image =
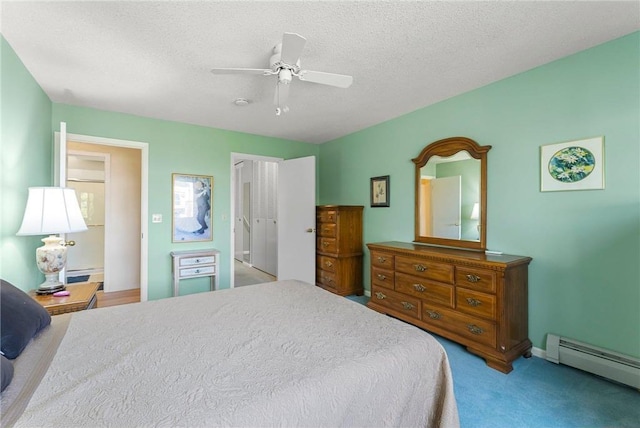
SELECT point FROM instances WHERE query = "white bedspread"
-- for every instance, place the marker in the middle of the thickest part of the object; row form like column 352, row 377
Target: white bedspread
column 276, row 354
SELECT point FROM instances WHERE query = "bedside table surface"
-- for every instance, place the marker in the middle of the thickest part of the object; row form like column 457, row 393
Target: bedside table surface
column 82, row 297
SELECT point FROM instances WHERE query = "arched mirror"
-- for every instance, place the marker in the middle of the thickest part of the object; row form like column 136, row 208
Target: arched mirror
column 451, row 194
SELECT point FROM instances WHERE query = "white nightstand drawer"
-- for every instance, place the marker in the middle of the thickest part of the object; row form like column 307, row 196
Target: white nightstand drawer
column 204, row 270
column 195, row 264
column 191, row 261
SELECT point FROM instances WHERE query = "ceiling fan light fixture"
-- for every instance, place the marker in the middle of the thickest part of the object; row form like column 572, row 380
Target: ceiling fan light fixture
column 241, row 102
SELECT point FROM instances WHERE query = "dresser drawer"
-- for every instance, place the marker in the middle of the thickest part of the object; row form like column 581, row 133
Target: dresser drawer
column 429, row 291
column 478, row 279
column 327, row 229
column 383, row 260
column 476, row 303
column 329, row 264
column 396, row 301
column 327, row 245
column 327, row 279
column 382, row 277
column 193, row 261
column 425, row 269
column 328, row 216
column 203, row 270
column 480, row 331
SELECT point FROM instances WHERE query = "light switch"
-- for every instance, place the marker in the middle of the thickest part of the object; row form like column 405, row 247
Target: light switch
column 156, row 218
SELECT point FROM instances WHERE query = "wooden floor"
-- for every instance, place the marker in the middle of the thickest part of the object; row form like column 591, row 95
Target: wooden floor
column 117, row 298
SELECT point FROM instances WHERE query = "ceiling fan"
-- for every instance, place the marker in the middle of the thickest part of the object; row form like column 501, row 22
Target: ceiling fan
column 285, row 63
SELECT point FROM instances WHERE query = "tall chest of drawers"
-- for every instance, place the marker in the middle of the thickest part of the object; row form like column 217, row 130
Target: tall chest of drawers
column 339, row 249
column 475, row 299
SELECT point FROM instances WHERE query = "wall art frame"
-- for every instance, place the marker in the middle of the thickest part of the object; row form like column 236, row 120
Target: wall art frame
column 191, row 207
column 572, row 165
column 380, row 191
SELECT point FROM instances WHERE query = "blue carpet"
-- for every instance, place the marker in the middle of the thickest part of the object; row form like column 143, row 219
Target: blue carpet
column 537, row 393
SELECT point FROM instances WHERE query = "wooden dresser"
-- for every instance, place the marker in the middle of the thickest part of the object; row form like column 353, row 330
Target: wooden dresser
column 339, row 249
column 475, row 299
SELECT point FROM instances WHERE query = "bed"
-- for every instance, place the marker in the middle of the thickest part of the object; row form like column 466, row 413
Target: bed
column 283, row 353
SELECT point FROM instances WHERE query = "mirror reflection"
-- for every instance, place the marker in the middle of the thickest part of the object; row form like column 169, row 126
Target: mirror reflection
column 450, row 197
column 451, row 193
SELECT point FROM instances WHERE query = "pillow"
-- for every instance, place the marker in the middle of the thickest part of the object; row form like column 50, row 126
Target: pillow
column 6, row 371
column 21, row 318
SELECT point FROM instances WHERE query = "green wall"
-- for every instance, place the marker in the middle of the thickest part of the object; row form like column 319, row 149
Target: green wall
column 25, row 160
column 584, row 281
column 182, row 148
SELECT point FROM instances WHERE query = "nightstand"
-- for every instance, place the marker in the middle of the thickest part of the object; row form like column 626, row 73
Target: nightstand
column 83, row 296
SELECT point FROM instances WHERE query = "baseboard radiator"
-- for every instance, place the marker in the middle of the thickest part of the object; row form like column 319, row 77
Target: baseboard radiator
column 602, row 362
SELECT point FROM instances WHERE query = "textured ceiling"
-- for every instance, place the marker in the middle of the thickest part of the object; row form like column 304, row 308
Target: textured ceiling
column 153, row 58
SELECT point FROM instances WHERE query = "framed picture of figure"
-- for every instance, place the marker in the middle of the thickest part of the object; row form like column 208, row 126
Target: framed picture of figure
column 192, row 204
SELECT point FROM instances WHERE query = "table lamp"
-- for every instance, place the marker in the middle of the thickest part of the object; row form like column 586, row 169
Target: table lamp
column 51, row 210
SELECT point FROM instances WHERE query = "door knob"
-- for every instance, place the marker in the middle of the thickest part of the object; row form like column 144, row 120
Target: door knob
column 310, row 230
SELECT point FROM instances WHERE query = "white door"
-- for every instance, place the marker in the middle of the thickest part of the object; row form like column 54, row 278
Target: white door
column 297, row 219
column 60, row 173
column 238, row 226
column 445, row 204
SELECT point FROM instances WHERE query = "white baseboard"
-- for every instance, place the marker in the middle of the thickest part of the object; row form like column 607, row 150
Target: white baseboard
column 540, row 353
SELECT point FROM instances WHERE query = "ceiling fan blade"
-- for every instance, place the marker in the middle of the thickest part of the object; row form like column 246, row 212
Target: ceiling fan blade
column 332, row 79
column 264, row 71
column 292, row 45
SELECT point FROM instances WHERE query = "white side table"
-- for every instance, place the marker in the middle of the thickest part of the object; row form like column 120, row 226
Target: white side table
column 195, row 264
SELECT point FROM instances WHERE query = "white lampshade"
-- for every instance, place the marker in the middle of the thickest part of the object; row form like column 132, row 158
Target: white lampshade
column 51, row 210
column 475, row 211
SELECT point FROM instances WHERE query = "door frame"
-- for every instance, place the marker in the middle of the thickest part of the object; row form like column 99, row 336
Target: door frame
column 144, row 189
column 235, row 158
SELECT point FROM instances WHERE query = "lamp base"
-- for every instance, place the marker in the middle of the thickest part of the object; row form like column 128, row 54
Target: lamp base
column 40, row 291
column 51, row 259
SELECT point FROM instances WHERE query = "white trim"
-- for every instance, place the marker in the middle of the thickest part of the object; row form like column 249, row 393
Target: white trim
column 537, row 352
column 144, row 196
column 235, row 158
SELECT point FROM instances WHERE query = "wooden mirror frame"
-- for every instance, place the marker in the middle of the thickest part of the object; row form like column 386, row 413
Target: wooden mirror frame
column 449, row 147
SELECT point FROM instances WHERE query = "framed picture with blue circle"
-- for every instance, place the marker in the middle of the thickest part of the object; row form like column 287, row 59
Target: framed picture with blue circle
column 572, row 165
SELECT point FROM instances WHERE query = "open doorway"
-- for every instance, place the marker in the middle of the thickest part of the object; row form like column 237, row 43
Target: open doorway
column 64, row 142
column 255, row 217
column 87, row 174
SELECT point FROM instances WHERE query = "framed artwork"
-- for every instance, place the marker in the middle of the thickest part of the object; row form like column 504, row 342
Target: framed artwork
column 573, row 165
column 380, row 191
column 191, row 207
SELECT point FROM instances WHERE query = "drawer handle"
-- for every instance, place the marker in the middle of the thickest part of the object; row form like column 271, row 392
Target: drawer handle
column 419, row 287
column 473, row 302
column 325, row 244
column 474, row 329
column 381, row 277
column 473, row 278
column 420, row 268
column 408, row 306
column 328, row 264
column 380, row 295
column 197, row 260
column 197, row 271
column 381, row 259
column 433, row 314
